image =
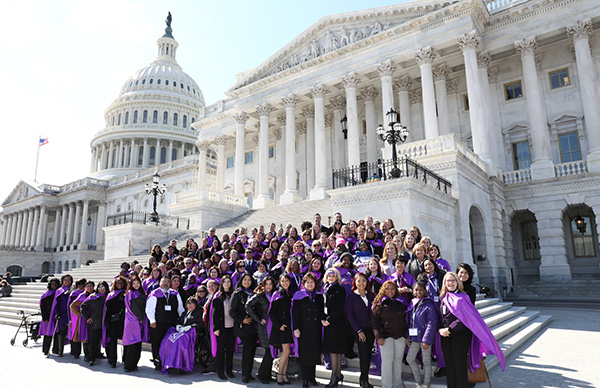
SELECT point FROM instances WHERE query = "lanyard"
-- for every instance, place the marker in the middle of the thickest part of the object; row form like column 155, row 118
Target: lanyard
column 414, row 313
column 166, row 295
column 434, row 285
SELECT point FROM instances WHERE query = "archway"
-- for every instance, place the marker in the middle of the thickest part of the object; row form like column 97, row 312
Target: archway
column 59, row 267
column 46, row 267
column 581, row 237
column 15, row 270
column 74, row 264
column 477, row 230
column 526, row 246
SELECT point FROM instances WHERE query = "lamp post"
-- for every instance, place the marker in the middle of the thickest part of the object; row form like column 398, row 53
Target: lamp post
column 155, row 191
column 397, row 133
column 344, row 122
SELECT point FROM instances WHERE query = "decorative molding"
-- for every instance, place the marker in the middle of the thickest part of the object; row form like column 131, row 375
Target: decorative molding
column 425, row 55
column 255, row 140
column 301, row 128
column 440, row 72
column 581, row 29
column 328, row 120
column 277, row 133
column 404, row 83
column 452, row 85
column 319, row 91
column 309, row 111
column 386, row 68
column 468, row 41
column 221, row 140
column 281, row 119
column 483, row 60
column 492, row 74
column 264, row 109
column 290, row 100
column 240, row 118
column 338, row 102
column 203, row 145
column 350, row 80
column 526, row 46
column 370, row 93
column 415, row 96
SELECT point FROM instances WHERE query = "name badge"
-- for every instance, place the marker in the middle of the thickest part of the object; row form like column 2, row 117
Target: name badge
column 168, row 307
column 436, row 299
column 413, row 332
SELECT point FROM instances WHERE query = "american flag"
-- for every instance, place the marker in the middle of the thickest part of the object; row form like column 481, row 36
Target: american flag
column 43, row 141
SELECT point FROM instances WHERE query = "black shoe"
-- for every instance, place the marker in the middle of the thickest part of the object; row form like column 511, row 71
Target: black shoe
column 440, row 373
column 263, row 381
column 100, row 356
column 245, row 380
column 157, row 365
column 85, row 359
column 366, row 384
column 182, row 372
column 91, row 363
column 230, row 375
column 127, row 370
column 222, row 376
column 250, row 378
column 76, row 357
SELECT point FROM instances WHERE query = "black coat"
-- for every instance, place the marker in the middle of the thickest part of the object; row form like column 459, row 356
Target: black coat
column 237, row 310
column 414, row 268
column 280, row 315
column 194, row 319
column 93, row 309
column 334, row 338
column 115, row 307
column 307, row 316
column 218, row 314
column 257, row 307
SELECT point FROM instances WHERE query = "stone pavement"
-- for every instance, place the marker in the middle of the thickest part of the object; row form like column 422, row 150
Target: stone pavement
column 552, row 358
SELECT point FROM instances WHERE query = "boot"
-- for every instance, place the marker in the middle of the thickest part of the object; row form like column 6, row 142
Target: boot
column 61, row 345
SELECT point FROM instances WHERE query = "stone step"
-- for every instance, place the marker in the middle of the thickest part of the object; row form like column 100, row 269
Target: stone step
column 503, row 329
column 493, row 309
column 493, row 320
column 479, row 303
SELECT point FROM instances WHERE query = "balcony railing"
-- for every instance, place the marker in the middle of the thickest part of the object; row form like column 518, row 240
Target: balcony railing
column 495, row 6
column 571, row 168
column 517, row 176
column 138, row 217
column 386, row 170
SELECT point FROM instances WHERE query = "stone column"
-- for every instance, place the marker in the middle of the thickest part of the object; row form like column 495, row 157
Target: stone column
column 385, row 70
column 145, row 154
column 541, row 166
column 92, row 162
column 133, row 155
column 369, row 94
column 339, row 143
column 281, row 158
column 84, row 225
column 221, row 162
column 8, row 229
column 103, row 157
column 403, row 85
column 111, row 151
column 76, row 224
column 580, row 33
column 28, row 228
column 23, row 228
column 70, row 225
column 14, row 219
column 57, row 225
column 126, row 152
column 240, row 146
column 350, row 80
column 553, row 248
column 263, row 199
column 119, row 163
column 468, row 43
column 157, row 153
column 4, row 228
column 100, row 224
column 291, row 189
column 203, row 147
column 483, row 62
column 320, row 144
column 31, row 240
column 425, row 57
column 440, row 73
column 182, row 150
column 170, row 151
column 40, row 241
column 309, row 113
column 19, row 226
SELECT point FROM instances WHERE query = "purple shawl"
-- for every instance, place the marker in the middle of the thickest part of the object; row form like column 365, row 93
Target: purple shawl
column 403, row 280
column 47, row 328
column 105, row 337
column 213, row 337
column 443, row 264
column 299, row 296
column 276, row 296
column 78, row 324
column 149, row 285
column 483, row 341
column 133, row 330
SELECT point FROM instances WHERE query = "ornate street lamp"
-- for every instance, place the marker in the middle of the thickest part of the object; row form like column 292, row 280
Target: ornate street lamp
column 396, row 133
column 344, row 122
column 155, row 191
column 580, row 224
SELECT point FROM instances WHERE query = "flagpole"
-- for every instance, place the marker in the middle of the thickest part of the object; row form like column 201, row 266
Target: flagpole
column 37, row 159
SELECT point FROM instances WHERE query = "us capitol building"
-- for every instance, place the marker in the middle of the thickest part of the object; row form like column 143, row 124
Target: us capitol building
column 501, row 166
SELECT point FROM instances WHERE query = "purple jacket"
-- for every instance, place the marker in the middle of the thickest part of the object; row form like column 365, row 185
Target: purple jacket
column 422, row 314
column 359, row 314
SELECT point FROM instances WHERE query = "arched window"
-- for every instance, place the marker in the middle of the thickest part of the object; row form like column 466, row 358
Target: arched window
column 119, row 122
column 74, row 264
column 174, row 154
column 66, row 265
column 152, row 155
column 15, row 270
column 193, row 120
column 167, row 82
column 135, row 117
column 165, row 118
column 174, row 84
column 175, row 119
column 158, row 82
column 52, row 267
column 59, row 267
column 45, row 267
column 141, row 156
column 126, row 118
column 112, row 120
column 184, row 121
column 163, row 155
column 155, row 117
column 145, row 117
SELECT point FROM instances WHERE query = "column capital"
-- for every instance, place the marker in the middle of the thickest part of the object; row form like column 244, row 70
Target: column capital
column 301, row 127
column 483, row 59
column 425, row 55
column 290, row 100
column 338, row 102
column 468, row 41
column 264, row 109
column 277, row 133
column 220, row 140
column 386, row 68
column 526, row 46
column 319, row 90
column 581, row 29
column 492, row 74
column 440, row 72
column 203, row 145
column 255, row 139
column 240, row 118
column 350, row 80
column 404, row 83
column 370, row 93
column 415, row 96
column 328, row 120
column 281, row 119
column 452, row 85
column 309, row 111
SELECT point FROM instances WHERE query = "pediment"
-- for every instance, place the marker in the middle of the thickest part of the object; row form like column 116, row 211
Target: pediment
column 565, row 118
column 517, row 128
column 22, row 191
column 335, row 34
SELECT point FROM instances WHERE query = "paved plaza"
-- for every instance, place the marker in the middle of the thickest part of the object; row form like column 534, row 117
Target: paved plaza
column 564, row 354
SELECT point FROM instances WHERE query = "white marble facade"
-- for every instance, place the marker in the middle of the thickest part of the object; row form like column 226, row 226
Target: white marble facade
column 500, row 97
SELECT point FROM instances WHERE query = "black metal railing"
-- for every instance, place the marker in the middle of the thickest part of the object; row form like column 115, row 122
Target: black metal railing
column 386, row 170
column 139, row 217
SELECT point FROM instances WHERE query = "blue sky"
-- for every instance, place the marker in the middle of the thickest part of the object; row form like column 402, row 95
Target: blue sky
column 64, row 62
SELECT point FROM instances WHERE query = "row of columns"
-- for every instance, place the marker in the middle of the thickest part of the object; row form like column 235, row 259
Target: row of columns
column 27, row 228
column 127, row 152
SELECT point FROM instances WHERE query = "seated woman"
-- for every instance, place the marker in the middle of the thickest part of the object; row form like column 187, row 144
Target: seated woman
column 177, row 347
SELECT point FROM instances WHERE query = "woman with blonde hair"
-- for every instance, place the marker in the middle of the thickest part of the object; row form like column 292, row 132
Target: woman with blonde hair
column 390, row 253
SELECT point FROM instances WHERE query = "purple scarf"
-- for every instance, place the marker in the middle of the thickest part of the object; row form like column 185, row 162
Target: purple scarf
column 276, row 296
column 105, row 337
column 133, row 330
column 299, row 296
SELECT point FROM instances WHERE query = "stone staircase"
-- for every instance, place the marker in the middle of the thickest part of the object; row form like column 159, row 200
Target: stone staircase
column 280, row 215
column 511, row 325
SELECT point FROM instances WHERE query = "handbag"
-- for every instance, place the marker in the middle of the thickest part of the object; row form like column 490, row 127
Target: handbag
column 479, row 375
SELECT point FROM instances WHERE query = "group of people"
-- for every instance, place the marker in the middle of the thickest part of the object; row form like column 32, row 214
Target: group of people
column 5, row 285
column 310, row 294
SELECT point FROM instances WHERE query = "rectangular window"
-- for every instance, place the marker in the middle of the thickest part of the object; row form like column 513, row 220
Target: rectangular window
column 230, row 162
column 249, row 157
column 271, row 151
column 583, row 243
column 466, row 101
column 521, row 156
column 559, row 78
column 531, row 241
column 513, row 90
column 118, row 208
column 569, row 147
column 130, row 206
column 162, row 199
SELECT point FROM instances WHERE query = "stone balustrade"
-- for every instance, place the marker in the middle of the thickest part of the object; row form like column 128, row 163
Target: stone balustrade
column 516, row 176
column 495, row 6
column 214, row 196
column 571, row 168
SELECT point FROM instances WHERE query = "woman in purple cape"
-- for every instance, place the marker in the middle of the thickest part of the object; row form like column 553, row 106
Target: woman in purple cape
column 307, row 316
column 114, row 320
column 152, row 283
column 60, row 313
column 74, row 318
column 279, row 326
column 79, row 328
column 135, row 329
column 222, row 329
column 463, row 333
column 335, row 333
column 48, row 324
column 92, row 309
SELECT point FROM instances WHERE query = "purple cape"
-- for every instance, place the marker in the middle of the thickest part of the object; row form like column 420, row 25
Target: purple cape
column 133, row 330
column 443, row 264
column 177, row 350
column 213, row 337
column 105, row 337
column 483, row 341
column 299, row 295
column 274, row 298
column 78, row 324
column 47, row 328
column 149, row 285
column 51, row 327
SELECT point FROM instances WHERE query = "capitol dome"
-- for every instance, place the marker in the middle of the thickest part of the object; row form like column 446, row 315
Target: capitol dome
column 149, row 123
